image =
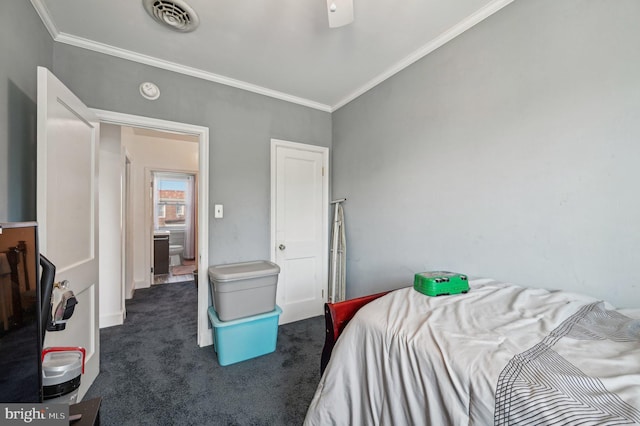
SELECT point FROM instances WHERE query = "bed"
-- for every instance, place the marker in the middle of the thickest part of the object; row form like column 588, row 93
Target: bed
column 501, row 354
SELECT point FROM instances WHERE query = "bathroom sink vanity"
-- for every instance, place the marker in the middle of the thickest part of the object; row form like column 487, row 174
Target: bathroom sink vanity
column 160, row 252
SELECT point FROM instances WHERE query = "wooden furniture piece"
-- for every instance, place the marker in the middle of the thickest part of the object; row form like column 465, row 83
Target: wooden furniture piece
column 90, row 411
column 336, row 317
column 160, row 254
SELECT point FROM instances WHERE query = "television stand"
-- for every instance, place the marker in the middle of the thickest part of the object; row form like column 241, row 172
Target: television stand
column 90, row 411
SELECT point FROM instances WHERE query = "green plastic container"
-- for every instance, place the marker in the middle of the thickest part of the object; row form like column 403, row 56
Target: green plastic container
column 439, row 283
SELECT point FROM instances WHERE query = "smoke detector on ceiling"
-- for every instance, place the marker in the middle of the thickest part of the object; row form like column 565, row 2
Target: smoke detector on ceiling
column 174, row 14
column 149, row 91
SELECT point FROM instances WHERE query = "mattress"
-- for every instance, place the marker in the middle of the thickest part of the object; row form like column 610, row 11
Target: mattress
column 501, row 354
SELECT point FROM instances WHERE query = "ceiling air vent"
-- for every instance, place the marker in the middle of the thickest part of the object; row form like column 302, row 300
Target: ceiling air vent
column 174, row 14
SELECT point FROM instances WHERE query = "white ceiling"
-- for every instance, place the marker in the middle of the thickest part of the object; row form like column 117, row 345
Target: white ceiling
column 284, row 49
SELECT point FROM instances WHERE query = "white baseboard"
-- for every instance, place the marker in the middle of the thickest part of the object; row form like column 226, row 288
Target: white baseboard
column 109, row 320
column 132, row 288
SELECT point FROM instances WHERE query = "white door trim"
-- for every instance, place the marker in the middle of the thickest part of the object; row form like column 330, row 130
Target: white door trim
column 275, row 143
column 205, row 337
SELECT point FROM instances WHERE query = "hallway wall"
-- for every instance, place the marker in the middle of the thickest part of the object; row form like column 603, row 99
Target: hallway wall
column 111, row 297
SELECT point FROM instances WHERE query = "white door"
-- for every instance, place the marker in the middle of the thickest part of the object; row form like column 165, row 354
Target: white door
column 68, row 135
column 299, row 179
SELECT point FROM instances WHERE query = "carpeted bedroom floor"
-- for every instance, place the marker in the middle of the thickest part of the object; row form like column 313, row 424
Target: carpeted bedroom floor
column 153, row 373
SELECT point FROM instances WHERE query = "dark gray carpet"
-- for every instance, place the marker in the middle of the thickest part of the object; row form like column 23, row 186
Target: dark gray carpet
column 153, row 373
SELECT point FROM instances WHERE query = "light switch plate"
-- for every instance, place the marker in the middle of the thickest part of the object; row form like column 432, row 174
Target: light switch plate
column 217, row 211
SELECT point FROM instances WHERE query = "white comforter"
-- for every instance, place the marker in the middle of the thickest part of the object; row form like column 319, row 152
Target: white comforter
column 410, row 359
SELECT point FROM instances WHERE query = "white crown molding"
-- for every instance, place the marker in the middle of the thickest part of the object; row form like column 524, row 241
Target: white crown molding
column 45, row 16
column 72, row 40
column 443, row 38
column 182, row 69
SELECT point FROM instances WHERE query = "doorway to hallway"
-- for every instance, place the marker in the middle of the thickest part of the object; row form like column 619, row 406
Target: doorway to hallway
column 201, row 135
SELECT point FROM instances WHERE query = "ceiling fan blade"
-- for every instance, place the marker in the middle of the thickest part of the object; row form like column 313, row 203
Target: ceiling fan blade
column 340, row 12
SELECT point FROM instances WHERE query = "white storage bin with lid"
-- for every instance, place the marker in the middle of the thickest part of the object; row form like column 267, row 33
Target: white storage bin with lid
column 61, row 370
column 243, row 289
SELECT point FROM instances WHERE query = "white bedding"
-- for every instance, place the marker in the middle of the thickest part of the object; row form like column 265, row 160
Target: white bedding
column 410, row 359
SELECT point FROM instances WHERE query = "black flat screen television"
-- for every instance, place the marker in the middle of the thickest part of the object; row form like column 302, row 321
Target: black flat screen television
column 21, row 333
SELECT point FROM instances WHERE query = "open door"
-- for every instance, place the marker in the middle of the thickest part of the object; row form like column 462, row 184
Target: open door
column 67, row 190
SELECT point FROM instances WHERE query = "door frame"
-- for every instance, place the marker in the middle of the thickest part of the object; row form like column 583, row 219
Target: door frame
column 149, row 207
column 127, row 204
column 275, row 143
column 204, row 335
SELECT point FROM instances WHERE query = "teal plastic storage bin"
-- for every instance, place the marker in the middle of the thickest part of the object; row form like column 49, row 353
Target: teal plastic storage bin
column 244, row 338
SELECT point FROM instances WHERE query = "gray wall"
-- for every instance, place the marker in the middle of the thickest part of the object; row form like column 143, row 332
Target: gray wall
column 24, row 44
column 511, row 152
column 241, row 125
